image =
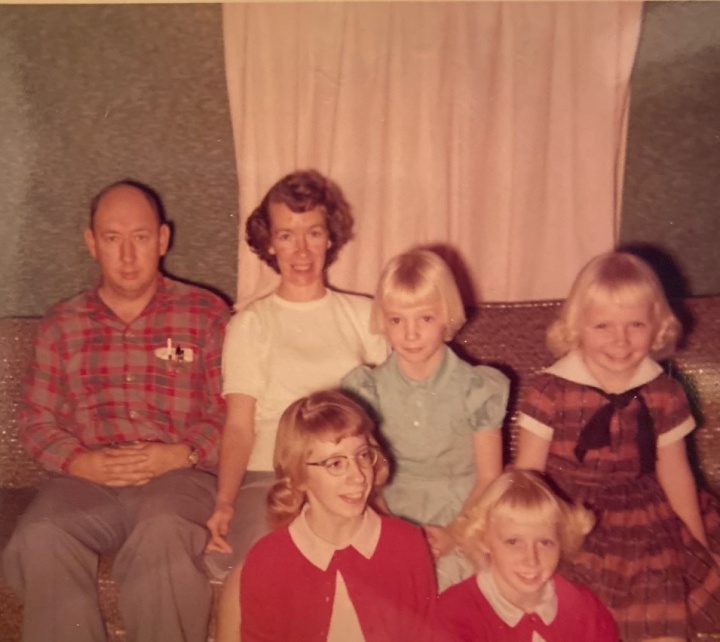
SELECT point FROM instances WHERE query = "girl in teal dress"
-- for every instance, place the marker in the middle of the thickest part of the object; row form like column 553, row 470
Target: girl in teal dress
column 440, row 416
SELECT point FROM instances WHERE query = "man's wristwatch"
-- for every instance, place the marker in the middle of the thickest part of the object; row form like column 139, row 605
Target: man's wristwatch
column 193, row 458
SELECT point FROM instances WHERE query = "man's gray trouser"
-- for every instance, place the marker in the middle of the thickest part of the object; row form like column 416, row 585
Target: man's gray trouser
column 159, row 534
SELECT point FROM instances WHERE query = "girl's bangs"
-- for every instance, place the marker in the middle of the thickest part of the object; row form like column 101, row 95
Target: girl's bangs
column 334, row 425
column 337, row 433
column 543, row 512
column 406, row 295
column 625, row 293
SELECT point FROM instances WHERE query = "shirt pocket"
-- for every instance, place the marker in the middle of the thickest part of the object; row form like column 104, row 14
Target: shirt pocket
column 172, row 385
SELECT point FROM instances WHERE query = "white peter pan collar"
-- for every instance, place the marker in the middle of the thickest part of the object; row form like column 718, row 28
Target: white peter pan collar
column 572, row 367
column 546, row 609
column 319, row 552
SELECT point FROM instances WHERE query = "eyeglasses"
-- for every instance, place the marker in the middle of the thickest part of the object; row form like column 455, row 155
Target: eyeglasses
column 339, row 464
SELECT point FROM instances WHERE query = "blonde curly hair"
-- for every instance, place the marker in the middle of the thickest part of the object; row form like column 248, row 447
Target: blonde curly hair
column 622, row 278
column 522, row 495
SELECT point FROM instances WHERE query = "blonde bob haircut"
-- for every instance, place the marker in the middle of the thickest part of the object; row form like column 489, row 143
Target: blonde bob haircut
column 418, row 277
column 522, row 495
column 624, row 279
column 328, row 415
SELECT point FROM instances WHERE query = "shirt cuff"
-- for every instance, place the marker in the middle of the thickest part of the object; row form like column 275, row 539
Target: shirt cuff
column 535, row 427
column 676, row 434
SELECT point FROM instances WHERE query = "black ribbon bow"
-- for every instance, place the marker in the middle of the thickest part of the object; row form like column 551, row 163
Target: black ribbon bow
column 596, row 432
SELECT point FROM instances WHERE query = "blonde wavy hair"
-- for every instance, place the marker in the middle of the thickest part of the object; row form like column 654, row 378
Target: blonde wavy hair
column 624, row 279
column 524, row 496
column 328, row 415
column 417, row 277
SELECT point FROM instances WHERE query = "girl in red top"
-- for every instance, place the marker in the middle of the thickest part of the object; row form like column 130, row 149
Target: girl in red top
column 516, row 531
column 333, row 570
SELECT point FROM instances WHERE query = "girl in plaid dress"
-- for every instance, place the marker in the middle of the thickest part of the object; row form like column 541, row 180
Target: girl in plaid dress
column 608, row 426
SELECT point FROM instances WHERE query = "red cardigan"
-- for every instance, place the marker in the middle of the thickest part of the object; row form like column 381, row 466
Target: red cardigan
column 465, row 615
column 286, row 598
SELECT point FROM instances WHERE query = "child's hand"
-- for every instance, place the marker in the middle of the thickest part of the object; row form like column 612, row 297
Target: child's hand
column 439, row 539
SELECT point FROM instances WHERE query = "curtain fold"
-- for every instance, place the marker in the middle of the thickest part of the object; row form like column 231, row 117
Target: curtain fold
column 493, row 131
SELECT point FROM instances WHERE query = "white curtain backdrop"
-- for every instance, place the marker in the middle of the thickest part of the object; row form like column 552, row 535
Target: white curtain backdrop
column 495, row 130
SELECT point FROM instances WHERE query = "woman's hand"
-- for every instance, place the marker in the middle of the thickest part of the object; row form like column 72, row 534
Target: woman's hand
column 235, row 448
column 439, row 539
column 218, row 525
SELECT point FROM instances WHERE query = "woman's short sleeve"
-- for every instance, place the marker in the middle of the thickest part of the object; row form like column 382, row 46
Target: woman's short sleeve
column 486, row 398
column 242, row 350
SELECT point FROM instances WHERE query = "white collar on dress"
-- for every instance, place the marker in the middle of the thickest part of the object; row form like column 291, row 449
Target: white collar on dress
column 546, row 609
column 573, row 368
column 319, row 552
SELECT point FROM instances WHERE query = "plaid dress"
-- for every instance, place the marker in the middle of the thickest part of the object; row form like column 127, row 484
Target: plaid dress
column 640, row 559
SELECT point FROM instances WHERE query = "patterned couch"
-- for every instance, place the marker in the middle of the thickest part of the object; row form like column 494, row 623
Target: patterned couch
column 507, row 336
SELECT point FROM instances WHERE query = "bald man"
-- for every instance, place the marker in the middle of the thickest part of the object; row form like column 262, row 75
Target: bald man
column 123, row 409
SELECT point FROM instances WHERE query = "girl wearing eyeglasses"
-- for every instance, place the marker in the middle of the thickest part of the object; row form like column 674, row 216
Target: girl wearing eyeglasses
column 333, row 569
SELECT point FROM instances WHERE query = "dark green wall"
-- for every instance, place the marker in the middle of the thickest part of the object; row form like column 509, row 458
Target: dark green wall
column 92, row 94
column 672, row 174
